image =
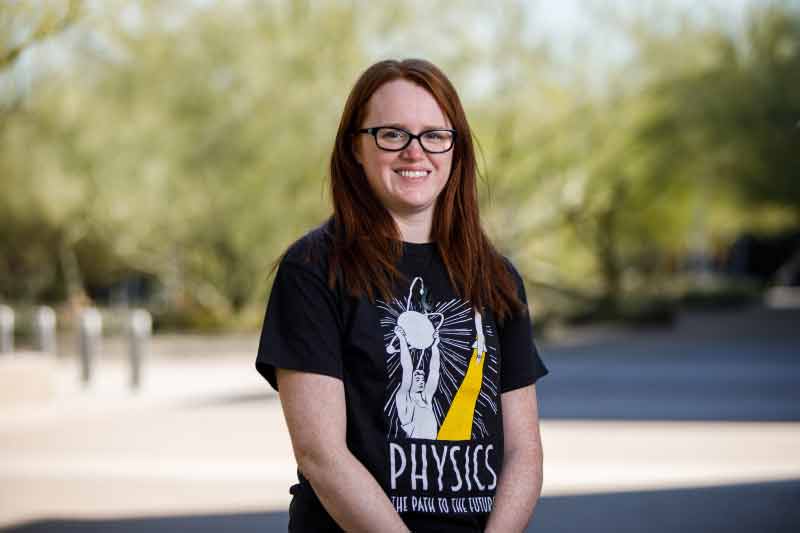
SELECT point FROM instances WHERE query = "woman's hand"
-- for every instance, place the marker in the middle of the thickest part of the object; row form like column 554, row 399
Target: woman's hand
column 520, row 481
column 314, row 407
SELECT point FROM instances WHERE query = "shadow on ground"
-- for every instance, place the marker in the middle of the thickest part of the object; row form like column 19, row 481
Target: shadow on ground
column 735, row 366
column 754, row 508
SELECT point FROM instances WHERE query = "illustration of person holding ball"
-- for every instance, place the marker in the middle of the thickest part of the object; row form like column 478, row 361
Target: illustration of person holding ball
column 414, row 398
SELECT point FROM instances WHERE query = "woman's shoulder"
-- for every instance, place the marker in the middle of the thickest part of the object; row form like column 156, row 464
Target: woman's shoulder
column 311, row 251
column 515, row 275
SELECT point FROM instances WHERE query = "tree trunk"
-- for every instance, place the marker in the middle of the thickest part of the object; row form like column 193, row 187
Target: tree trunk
column 73, row 279
column 608, row 249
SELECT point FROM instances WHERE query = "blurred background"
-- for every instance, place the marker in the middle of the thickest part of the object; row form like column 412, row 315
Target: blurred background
column 640, row 164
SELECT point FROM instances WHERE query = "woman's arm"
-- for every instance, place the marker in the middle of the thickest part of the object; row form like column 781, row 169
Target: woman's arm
column 521, row 479
column 314, row 408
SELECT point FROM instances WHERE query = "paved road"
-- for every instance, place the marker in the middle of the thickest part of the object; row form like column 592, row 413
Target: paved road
column 736, row 368
column 756, row 508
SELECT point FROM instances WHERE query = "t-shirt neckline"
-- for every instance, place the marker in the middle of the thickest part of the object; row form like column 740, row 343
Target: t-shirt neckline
column 418, row 248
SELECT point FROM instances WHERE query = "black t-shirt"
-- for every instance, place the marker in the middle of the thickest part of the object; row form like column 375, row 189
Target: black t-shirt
column 422, row 374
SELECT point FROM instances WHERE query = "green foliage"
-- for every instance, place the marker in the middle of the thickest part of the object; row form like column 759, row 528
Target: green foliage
column 687, row 141
column 189, row 142
column 729, row 113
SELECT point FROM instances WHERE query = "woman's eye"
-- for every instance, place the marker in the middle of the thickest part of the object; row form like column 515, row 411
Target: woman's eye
column 437, row 136
column 391, row 135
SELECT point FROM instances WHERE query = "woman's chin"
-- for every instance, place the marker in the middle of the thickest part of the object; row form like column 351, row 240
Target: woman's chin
column 416, row 202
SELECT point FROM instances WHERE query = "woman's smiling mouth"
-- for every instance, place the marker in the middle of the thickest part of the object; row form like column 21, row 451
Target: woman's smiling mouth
column 412, row 173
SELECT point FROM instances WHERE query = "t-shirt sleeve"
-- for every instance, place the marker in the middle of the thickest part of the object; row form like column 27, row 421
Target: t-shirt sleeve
column 521, row 364
column 301, row 328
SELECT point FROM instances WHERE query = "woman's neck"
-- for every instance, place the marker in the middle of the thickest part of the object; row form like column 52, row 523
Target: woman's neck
column 414, row 228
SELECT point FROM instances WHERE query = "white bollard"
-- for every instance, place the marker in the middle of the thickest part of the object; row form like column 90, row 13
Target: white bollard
column 6, row 329
column 141, row 328
column 91, row 329
column 45, row 327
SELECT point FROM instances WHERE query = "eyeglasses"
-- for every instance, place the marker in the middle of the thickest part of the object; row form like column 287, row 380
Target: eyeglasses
column 397, row 139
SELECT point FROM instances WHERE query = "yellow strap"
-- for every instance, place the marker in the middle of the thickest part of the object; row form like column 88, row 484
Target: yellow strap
column 457, row 425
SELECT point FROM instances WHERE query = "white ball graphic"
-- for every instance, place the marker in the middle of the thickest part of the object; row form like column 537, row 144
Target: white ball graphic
column 418, row 328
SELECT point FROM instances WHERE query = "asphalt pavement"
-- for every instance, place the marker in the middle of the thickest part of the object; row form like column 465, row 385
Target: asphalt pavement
column 755, row 508
column 735, row 366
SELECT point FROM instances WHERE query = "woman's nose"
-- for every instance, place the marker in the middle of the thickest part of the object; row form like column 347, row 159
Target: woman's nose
column 413, row 150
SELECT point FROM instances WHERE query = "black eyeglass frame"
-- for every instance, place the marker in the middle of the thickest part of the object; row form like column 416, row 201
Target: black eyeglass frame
column 374, row 132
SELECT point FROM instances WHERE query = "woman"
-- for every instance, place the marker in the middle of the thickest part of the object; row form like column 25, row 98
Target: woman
column 398, row 337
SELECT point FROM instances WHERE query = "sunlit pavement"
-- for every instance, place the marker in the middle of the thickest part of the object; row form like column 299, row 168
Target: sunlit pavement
column 238, row 458
column 201, row 459
column 208, row 438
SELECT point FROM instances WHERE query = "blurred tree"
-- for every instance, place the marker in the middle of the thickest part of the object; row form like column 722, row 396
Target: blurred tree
column 25, row 24
column 611, row 184
column 188, row 141
column 223, row 133
column 728, row 112
column 178, row 148
column 27, row 240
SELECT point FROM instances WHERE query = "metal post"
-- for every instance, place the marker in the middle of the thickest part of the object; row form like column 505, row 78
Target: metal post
column 141, row 327
column 91, row 329
column 45, row 327
column 6, row 329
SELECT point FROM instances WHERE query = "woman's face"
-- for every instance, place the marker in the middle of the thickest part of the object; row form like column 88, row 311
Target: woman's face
column 409, row 181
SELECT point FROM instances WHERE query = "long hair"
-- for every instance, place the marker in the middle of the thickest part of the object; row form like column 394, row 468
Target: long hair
column 366, row 241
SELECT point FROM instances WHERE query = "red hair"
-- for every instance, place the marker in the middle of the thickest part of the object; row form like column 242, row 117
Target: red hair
column 366, row 241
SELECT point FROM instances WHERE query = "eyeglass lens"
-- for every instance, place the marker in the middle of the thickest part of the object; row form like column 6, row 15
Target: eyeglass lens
column 432, row 141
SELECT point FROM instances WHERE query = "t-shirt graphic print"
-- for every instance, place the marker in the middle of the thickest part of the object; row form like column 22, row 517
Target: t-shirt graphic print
column 441, row 403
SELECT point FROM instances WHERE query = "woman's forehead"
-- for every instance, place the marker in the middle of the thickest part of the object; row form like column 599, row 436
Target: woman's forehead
column 404, row 103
